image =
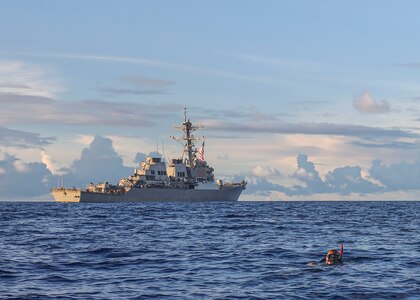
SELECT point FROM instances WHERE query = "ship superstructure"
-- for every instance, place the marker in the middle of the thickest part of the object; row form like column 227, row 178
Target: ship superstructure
column 188, row 178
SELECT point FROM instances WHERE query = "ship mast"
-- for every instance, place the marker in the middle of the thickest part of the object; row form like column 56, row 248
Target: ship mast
column 189, row 139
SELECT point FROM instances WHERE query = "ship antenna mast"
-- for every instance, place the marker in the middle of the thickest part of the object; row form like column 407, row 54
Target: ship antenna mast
column 189, row 139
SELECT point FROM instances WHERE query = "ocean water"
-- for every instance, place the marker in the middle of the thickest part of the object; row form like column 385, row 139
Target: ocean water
column 245, row 250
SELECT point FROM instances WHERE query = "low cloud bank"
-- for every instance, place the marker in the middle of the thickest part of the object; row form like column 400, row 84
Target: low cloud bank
column 100, row 162
column 345, row 180
column 399, row 176
column 19, row 180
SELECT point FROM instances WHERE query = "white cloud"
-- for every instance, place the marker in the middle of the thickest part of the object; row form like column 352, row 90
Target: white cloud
column 84, row 139
column 156, row 63
column 21, row 78
column 21, row 167
column 99, row 162
column 397, row 176
column 129, row 146
column 344, row 181
column 365, row 103
column 15, row 174
column 50, row 164
column 265, row 171
column 401, row 180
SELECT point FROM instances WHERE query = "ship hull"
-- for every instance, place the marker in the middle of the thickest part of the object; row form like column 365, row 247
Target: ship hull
column 230, row 194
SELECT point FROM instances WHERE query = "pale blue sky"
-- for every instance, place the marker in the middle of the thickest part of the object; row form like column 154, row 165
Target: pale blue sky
column 334, row 80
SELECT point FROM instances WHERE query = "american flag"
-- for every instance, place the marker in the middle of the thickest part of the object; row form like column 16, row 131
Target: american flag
column 201, row 153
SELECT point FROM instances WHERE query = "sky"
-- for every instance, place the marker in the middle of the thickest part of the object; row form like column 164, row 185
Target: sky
column 305, row 100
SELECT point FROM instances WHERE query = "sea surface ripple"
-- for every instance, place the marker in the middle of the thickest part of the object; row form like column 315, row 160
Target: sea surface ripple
column 244, row 250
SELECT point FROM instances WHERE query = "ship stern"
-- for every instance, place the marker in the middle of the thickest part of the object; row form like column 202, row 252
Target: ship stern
column 66, row 195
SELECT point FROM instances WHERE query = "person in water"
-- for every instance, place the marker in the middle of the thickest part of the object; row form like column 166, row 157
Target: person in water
column 334, row 257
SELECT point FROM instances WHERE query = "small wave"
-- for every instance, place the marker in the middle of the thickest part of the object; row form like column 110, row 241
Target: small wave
column 360, row 258
column 240, row 227
column 276, row 277
column 118, row 254
column 56, row 278
column 314, row 267
column 47, row 266
column 77, row 264
column 238, row 216
column 5, row 274
column 101, row 250
column 378, row 295
column 98, row 216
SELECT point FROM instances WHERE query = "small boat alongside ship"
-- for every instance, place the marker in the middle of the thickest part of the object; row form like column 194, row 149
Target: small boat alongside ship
column 188, row 178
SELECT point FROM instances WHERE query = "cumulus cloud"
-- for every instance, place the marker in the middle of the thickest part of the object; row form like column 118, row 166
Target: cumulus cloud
column 402, row 176
column 98, row 163
column 154, row 154
column 21, row 167
column 257, row 185
column 84, row 139
column 265, row 171
column 344, row 180
column 50, row 163
column 365, row 103
column 347, row 180
column 140, row 157
column 307, row 173
column 19, row 180
column 398, row 176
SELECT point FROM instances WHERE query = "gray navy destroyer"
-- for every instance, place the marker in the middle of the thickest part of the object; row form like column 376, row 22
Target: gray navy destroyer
column 188, row 178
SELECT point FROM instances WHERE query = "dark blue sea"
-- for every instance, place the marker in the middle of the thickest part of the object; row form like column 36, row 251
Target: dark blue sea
column 245, row 250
